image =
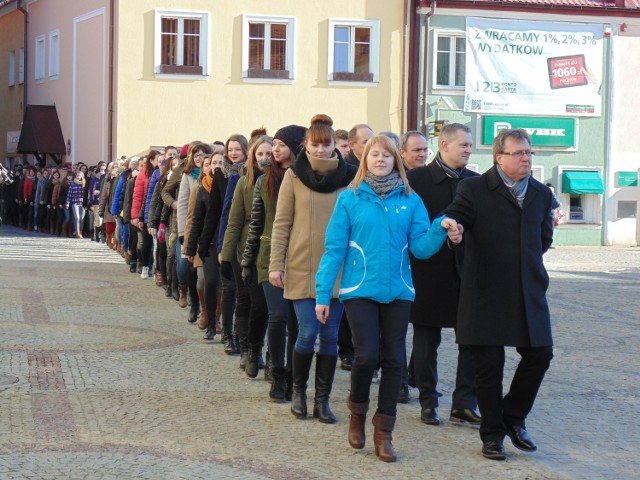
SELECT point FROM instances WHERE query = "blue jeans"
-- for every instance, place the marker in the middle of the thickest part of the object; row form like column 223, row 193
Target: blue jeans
column 379, row 333
column 182, row 265
column 309, row 328
column 119, row 230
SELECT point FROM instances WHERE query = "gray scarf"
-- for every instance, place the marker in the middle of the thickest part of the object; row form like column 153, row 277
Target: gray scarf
column 383, row 185
column 229, row 168
column 517, row 189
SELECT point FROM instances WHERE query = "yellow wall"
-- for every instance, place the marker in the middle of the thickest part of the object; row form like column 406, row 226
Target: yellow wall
column 11, row 38
column 150, row 111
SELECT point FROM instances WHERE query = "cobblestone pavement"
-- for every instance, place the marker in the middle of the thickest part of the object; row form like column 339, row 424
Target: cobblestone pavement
column 101, row 377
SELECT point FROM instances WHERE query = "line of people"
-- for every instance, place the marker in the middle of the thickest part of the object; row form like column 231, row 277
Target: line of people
column 288, row 241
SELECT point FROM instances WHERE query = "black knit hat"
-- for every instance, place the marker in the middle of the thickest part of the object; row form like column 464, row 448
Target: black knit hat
column 292, row 136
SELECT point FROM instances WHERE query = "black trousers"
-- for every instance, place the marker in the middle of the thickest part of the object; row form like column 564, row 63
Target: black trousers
column 516, row 405
column 379, row 332
column 426, row 341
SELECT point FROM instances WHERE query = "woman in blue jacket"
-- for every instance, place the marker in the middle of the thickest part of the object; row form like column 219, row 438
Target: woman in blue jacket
column 374, row 226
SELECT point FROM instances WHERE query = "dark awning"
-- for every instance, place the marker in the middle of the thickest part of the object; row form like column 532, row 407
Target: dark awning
column 41, row 132
column 579, row 182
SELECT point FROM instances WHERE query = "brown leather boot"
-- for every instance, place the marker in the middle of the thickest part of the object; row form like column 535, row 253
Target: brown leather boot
column 183, row 296
column 203, row 321
column 357, row 420
column 382, row 429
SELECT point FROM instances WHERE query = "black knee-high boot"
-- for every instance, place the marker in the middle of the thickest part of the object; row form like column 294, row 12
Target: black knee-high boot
column 325, row 371
column 301, row 366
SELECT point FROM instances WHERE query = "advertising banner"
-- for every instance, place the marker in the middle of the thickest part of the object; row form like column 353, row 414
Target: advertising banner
column 533, row 68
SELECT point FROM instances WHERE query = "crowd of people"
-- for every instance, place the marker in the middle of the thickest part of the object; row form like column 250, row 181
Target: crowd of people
column 291, row 242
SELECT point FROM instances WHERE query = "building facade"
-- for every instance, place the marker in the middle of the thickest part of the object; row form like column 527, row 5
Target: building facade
column 558, row 70
column 11, row 80
column 125, row 75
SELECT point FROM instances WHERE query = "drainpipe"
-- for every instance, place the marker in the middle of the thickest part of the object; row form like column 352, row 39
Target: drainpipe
column 25, row 66
column 608, row 117
column 111, row 80
column 425, row 69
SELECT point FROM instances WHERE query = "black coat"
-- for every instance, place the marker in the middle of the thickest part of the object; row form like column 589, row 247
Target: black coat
column 436, row 280
column 504, row 282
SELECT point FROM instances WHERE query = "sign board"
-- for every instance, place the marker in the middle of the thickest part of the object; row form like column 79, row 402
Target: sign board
column 533, row 68
column 12, row 141
column 626, row 179
column 544, row 131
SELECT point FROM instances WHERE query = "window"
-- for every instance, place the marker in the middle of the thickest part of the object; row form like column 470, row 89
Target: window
column 267, row 50
column 450, row 60
column 54, row 54
column 354, row 50
column 181, row 43
column 21, row 67
column 12, row 68
column 627, row 209
column 39, row 69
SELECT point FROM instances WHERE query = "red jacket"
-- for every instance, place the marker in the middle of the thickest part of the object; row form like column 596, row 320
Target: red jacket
column 139, row 193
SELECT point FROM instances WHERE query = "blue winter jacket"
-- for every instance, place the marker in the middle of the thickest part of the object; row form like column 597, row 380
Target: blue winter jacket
column 371, row 238
column 152, row 185
column 116, row 206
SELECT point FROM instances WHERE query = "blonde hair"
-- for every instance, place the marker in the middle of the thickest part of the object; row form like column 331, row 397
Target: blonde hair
column 389, row 145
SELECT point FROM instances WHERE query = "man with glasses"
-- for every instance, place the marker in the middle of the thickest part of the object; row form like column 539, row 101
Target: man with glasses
column 507, row 229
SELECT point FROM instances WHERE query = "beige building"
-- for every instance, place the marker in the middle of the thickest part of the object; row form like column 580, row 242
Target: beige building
column 11, row 81
column 182, row 70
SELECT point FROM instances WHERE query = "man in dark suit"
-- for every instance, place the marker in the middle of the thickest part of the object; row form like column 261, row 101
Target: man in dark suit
column 507, row 229
column 437, row 283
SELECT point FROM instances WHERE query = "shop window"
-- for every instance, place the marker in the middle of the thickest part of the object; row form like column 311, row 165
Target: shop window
column 181, row 43
column 450, row 59
column 267, row 47
column 354, row 47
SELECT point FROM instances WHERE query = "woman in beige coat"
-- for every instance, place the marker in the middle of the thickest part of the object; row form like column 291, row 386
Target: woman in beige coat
column 305, row 203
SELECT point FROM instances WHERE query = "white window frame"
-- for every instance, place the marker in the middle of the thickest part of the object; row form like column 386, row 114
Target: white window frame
column 38, row 71
column 537, row 172
column 204, row 42
column 434, row 81
column 374, row 66
column 290, row 59
column 12, row 68
column 54, row 54
column 21, row 67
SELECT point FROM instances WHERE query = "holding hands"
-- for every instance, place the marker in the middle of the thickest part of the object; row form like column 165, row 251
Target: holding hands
column 454, row 230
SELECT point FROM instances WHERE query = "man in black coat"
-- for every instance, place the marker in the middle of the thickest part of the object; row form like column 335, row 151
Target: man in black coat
column 507, row 228
column 437, row 283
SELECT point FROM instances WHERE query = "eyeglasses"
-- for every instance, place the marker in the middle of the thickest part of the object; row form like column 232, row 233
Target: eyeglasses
column 198, row 156
column 520, row 153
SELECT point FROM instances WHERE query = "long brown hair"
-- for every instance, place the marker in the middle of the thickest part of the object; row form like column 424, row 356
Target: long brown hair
column 389, row 145
column 193, row 149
